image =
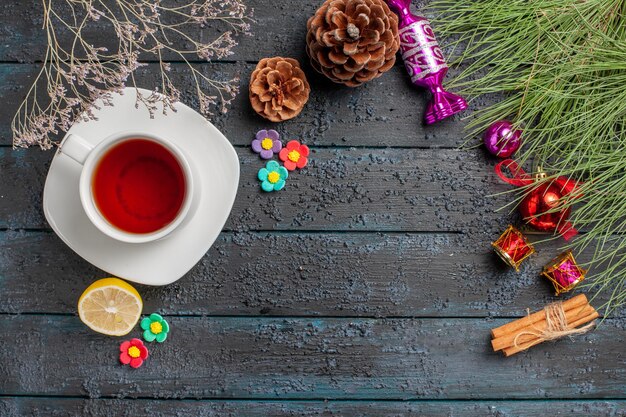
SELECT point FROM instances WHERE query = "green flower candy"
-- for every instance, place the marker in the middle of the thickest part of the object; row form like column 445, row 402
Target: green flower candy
column 272, row 177
column 154, row 327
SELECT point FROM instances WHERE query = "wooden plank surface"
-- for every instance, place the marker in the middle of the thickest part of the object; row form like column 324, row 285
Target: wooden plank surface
column 213, row 408
column 279, row 29
column 385, row 112
column 301, row 274
column 294, row 358
column 430, row 190
column 366, row 288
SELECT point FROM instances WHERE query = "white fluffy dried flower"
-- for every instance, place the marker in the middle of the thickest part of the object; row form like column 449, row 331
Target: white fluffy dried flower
column 77, row 74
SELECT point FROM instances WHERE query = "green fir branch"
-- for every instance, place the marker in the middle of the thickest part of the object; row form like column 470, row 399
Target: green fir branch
column 560, row 68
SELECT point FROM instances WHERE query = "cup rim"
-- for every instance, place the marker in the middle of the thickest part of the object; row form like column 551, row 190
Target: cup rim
column 91, row 208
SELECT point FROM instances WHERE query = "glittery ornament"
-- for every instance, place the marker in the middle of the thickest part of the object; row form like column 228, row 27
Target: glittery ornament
column 424, row 62
column 512, row 247
column 501, row 139
column 564, row 272
column 536, row 208
column 540, row 206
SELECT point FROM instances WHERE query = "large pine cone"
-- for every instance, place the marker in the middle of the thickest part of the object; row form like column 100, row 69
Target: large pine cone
column 353, row 41
column 278, row 88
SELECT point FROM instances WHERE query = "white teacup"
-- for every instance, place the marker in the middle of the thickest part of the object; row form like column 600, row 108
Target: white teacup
column 89, row 156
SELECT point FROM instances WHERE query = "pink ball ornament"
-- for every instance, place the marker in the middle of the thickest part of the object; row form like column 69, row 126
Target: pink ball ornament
column 501, row 140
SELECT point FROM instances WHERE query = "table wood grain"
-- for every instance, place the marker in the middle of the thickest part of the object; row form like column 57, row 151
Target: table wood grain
column 366, row 288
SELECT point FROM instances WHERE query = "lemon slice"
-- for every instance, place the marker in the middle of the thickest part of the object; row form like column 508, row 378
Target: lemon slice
column 110, row 306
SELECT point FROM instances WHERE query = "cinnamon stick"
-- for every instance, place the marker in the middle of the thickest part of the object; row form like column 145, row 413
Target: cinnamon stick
column 527, row 321
column 512, row 350
column 572, row 315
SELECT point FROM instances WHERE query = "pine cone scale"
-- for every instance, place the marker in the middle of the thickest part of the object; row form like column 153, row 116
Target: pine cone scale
column 371, row 37
column 378, row 25
column 343, row 74
column 274, row 79
column 334, row 38
column 350, row 48
column 350, row 8
column 339, row 20
column 291, row 104
column 327, row 61
column 294, row 86
column 336, row 58
column 284, row 69
column 387, row 66
column 361, row 21
column 361, row 59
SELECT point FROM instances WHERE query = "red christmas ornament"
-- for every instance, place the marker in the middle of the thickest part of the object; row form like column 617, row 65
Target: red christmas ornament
column 536, row 206
column 540, row 207
column 512, row 247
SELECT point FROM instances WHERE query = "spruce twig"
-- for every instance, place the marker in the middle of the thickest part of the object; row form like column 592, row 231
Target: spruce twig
column 560, row 68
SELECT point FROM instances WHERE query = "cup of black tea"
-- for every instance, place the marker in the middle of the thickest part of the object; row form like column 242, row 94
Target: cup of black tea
column 134, row 187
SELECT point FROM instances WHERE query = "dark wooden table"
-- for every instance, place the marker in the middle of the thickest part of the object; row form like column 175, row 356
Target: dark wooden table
column 367, row 287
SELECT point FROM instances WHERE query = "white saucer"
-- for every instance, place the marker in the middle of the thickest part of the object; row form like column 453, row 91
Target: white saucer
column 216, row 173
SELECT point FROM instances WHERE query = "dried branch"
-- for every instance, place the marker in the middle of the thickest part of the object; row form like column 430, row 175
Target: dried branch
column 77, row 73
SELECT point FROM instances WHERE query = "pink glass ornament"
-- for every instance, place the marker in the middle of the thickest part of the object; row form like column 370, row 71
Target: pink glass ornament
column 424, row 62
column 501, row 140
column 564, row 272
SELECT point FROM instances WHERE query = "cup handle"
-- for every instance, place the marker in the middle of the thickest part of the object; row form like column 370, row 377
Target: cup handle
column 76, row 148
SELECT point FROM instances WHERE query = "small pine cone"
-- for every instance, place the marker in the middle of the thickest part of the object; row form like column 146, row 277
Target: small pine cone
column 353, row 41
column 278, row 88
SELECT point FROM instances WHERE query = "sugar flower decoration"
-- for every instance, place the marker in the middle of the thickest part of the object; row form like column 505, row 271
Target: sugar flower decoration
column 133, row 353
column 267, row 143
column 154, row 328
column 272, row 177
column 294, row 155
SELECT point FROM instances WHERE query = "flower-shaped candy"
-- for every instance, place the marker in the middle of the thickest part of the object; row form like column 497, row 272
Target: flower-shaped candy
column 272, row 177
column 267, row 143
column 294, row 155
column 133, row 352
column 154, row 327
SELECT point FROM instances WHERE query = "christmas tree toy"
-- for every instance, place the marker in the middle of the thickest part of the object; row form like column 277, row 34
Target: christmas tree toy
column 543, row 207
column 501, row 139
column 425, row 63
column 557, row 68
column 513, row 247
column 564, row 272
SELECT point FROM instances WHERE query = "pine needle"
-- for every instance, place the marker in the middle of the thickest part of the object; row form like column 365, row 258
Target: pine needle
column 560, row 68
